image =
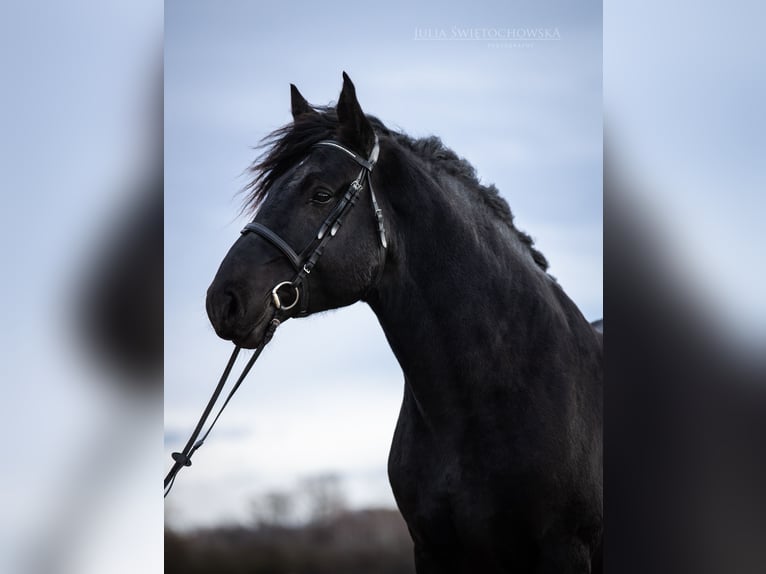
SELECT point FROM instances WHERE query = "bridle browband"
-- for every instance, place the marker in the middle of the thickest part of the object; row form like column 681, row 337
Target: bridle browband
column 303, row 263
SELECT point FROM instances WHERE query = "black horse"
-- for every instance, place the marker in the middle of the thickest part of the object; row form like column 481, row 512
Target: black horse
column 496, row 462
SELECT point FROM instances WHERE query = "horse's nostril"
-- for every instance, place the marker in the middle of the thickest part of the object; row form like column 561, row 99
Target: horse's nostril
column 232, row 306
column 226, row 309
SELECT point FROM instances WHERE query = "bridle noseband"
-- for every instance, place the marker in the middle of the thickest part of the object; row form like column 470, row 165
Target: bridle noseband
column 304, row 262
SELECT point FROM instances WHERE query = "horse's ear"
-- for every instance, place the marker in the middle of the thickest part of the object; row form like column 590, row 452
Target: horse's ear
column 298, row 103
column 354, row 125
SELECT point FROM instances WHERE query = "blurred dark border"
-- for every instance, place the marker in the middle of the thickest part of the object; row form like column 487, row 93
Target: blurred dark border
column 685, row 395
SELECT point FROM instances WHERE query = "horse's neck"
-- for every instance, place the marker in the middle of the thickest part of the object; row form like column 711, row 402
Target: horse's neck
column 462, row 302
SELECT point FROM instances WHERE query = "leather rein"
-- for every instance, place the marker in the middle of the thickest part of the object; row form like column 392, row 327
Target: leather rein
column 303, row 263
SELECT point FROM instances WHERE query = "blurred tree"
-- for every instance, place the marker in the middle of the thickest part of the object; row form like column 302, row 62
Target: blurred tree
column 324, row 496
column 274, row 509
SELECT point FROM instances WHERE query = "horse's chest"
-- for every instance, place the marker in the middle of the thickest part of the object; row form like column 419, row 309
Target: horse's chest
column 437, row 497
column 425, row 489
column 448, row 511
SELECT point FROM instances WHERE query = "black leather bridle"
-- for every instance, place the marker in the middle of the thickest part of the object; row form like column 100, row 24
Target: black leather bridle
column 303, row 263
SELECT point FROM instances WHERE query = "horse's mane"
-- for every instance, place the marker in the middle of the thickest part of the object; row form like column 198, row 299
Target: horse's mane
column 288, row 145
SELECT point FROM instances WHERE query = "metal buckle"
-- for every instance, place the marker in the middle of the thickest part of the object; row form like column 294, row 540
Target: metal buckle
column 277, row 300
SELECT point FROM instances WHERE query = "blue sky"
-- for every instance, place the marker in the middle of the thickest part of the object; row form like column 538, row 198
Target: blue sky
column 526, row 114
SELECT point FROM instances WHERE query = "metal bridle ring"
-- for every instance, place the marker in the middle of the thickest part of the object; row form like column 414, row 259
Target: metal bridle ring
column 278, row 302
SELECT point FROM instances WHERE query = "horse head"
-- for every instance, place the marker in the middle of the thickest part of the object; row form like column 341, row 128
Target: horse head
column 287, row 262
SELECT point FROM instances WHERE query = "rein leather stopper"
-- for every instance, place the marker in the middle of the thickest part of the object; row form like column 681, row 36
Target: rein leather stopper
column 181, row 458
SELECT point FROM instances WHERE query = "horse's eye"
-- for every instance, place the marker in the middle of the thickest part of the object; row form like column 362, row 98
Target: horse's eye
column 321, row 197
